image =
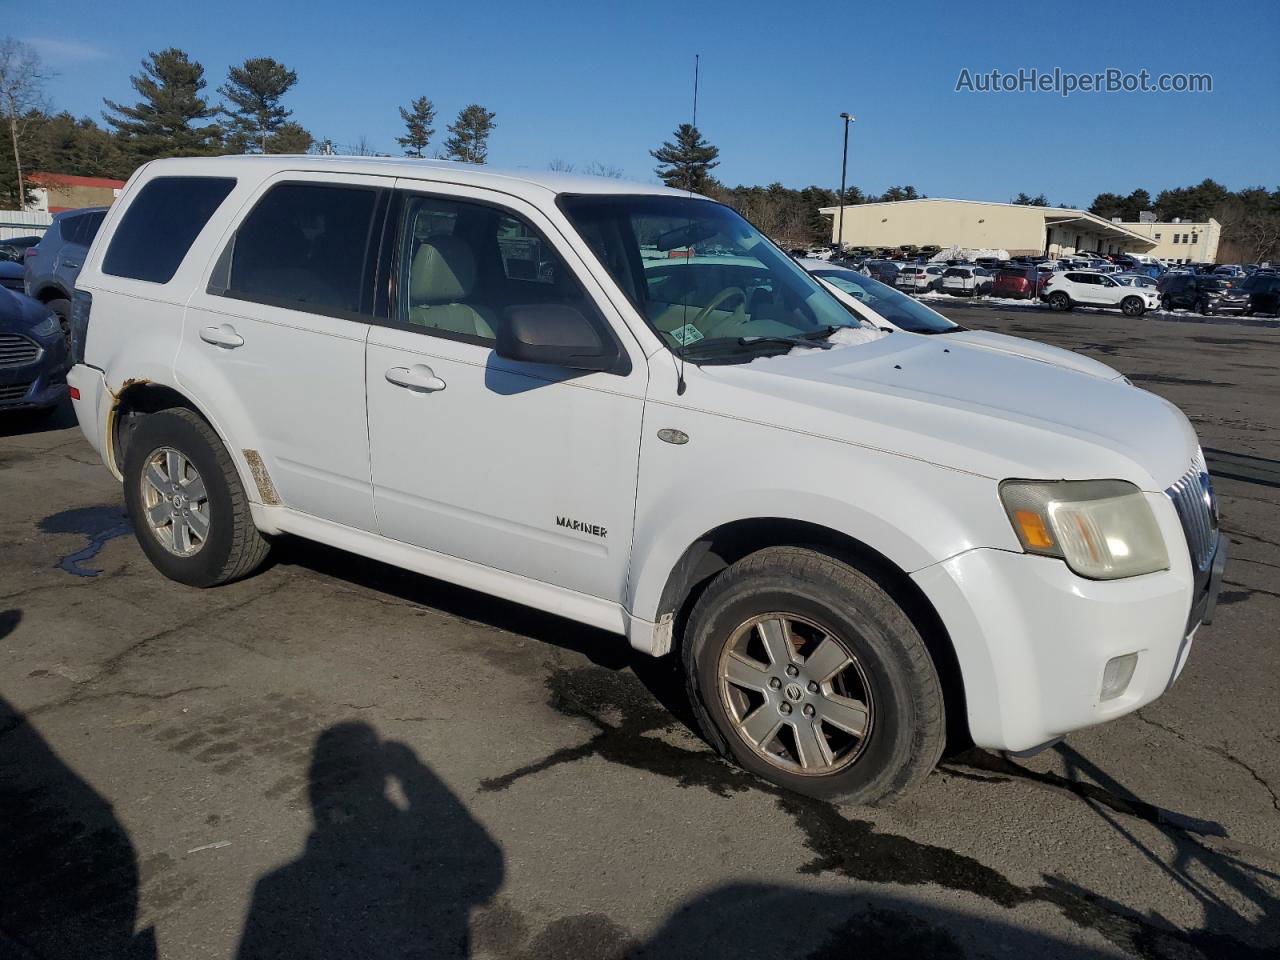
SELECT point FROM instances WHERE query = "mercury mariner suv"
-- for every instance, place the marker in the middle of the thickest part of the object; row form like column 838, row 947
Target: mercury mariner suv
column 624, row 405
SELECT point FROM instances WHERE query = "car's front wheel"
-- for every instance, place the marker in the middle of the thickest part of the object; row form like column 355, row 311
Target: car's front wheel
column 1059, row 301
column 1166, row 303
column 1132, row 307
column 807, row 673
column 187, row 504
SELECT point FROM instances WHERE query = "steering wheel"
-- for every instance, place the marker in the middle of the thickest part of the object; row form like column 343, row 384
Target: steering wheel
column 718, row 299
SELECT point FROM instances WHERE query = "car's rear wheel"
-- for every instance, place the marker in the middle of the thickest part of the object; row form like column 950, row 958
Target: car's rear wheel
column 188, row 507
column 807, row 673
column 63, row 310
column 1059, row 301
column 1132, row 307
column 1206, row 308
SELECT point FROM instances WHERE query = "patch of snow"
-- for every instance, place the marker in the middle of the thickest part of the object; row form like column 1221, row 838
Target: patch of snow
column 844, row 337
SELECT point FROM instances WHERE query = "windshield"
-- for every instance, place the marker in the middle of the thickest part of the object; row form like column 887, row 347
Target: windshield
column 902, row 311
column 703, row 277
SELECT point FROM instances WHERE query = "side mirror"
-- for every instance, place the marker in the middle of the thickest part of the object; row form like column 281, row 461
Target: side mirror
column 558, row 335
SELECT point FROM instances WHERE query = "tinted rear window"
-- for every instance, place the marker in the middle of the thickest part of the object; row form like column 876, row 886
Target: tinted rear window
column 81, row 229
column 304, row 247
column 160, row 225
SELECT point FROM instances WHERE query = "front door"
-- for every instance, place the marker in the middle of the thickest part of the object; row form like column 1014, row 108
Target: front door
column 276, row 341
column 520, row 467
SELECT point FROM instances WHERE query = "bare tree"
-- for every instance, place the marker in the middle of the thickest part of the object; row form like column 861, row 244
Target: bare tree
column 560, row 166
column 22, row 80
column 597, row 169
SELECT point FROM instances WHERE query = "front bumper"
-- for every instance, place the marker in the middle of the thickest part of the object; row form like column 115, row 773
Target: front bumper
column 1033, row 639
column 40, row 383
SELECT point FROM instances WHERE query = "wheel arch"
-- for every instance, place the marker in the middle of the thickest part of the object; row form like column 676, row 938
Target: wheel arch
column 50, row 292
column 139, row 397
column 717, row 549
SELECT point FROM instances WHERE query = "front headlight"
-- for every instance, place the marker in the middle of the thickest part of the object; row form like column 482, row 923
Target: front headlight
column 47, row 327
column 1103, row 529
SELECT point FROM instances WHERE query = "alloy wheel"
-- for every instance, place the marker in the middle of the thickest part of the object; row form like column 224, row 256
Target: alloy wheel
column 175, row 503
column 796, row 694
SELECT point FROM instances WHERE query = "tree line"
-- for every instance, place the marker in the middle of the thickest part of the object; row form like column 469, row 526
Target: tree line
column 1250, row 217
column 173, row 116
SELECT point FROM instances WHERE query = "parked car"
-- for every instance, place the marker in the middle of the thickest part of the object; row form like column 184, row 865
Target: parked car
column 12, row 248
column 886, row 271
column 1019, row 283
column 1201, row 293
column 465, row 372
column 1263, row 290
column 1231, row 271
column 50, row 267
column 919, row 279
column 966, row 281
column 1088, row 288
column 33, row 355
column 887, row 308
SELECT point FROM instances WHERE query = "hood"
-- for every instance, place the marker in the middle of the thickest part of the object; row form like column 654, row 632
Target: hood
column 18, row 312
column 1033, row 350
column 968, row 408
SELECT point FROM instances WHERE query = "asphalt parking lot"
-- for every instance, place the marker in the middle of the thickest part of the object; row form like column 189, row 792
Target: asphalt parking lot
column 336, row 759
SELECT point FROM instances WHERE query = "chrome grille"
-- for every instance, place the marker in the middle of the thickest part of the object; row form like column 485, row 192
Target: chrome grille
column 13, row 392
column 1192, row 497
column 15, row 350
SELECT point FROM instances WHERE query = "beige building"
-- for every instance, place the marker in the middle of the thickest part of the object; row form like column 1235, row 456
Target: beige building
column 1181, row 241
column 55, row 192
column 975, row 224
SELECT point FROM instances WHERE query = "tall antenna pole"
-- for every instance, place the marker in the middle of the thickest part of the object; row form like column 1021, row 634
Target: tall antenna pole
column 844, row 164
column 696, row 58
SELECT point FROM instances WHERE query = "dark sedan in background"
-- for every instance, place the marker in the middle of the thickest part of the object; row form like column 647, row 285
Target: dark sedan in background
column 33, row 355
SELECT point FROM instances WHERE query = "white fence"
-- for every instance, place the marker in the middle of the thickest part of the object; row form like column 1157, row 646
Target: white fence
column 23, row 223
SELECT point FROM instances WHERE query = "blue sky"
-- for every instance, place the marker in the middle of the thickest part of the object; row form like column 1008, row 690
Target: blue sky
column 584, row 81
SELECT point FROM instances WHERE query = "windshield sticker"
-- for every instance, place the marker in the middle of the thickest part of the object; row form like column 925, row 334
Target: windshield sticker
column 686, row 335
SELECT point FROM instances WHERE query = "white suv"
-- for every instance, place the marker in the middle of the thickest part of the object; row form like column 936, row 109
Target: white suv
column 624, row 405
column 1090, row 288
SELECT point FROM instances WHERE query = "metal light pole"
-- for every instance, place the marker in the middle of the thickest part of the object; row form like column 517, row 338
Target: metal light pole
column 844, row 165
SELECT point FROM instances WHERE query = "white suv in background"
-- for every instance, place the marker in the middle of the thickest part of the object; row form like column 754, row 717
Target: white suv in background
column 853, row 539
column 1089, row 288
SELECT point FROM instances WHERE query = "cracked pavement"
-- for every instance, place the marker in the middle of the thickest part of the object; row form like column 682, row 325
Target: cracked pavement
column 338, row 759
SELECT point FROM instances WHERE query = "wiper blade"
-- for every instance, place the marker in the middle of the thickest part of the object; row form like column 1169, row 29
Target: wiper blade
column 799, row 341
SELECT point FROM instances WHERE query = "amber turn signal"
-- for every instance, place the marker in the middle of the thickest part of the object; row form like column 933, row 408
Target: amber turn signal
column 1034, row 532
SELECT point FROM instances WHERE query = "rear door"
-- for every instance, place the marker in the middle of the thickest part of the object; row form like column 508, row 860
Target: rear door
column 77, row 235
column 520, row 467
column 276, row 337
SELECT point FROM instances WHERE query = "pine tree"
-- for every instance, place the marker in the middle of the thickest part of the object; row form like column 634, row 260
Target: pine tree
column 255, row 90
column 163, row 122
column 470, row 140
column 417, row 120
column 290, row 137
column 685, row 163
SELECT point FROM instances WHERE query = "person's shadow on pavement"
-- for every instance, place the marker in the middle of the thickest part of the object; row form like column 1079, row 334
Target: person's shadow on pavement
column 381, row 876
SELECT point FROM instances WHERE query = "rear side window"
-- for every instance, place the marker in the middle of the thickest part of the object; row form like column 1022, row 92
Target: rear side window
column 160, row 225
column 82, row 229
column 304, row 246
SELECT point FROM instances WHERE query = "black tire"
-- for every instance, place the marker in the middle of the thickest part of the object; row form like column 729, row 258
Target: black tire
column 1132, row 307
column 1059, row 301
column 63, row 309
column 1166, row 304
column 1205, row 309
column 907, row 728
column 234, row 548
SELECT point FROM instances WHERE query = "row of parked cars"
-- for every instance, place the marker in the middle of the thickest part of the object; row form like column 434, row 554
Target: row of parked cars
column 38, row 276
